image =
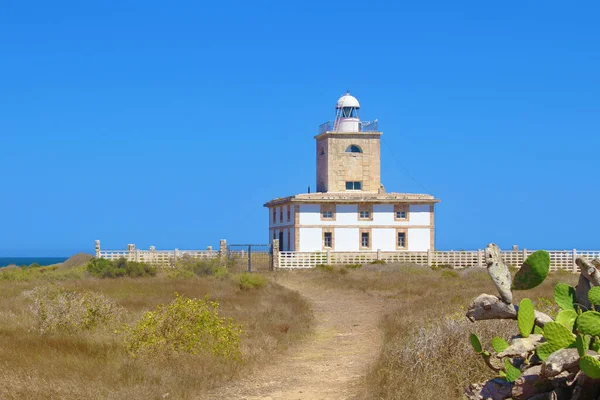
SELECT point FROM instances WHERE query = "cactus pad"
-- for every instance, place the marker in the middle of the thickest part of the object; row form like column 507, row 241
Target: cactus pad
column 582, row 344
column 499, row 344
column 567, row 318
column 533, row 271
column 526, row 317
column 558, row 335
column 590, row 366
column 564, row 295
column 595, row 345
column 594, row 295
column 589, row 323
column 537, row 330
column 512, row 373
column 476, row 343
column 545, row 349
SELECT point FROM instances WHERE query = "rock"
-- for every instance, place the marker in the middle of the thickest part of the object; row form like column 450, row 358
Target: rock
column 499, row 272
column 520, row 347
column 494, row 389
column 486, row 306
column 529, row 384
column 559, row 361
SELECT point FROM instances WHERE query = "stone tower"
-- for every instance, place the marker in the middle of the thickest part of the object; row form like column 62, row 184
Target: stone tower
column 348, row 153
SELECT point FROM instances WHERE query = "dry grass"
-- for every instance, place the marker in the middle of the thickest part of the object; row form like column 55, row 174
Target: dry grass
column 426, row 352
column 95, row 365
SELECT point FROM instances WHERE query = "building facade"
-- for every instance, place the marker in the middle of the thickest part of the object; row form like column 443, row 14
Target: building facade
column 351, row 210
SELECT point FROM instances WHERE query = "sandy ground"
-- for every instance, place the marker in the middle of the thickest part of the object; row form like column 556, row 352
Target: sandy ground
column 331, row 362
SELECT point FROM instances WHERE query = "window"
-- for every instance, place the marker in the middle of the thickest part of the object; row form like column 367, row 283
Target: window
column 365, row 212
column 289, row 213
column 322, row 152
column 289, row 244
column 353, row 149
column 401, row 212
column 353, row 185
column 327, row 239
column 274, row 215
column 280, row 214
column 401, row 243
column 327, row 212
column 364, row 239
column 274, row 235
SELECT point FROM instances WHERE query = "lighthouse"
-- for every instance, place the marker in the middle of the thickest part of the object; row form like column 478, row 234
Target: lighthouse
column 351, row 211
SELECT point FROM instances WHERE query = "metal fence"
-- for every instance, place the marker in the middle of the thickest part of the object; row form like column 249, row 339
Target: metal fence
column 250, row 257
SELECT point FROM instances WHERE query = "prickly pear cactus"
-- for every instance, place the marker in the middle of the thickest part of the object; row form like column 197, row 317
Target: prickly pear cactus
column 564, row 295
column 582, row 344
column 499, row 344
column 476, row 343
column 567, row 318
column 590, row 366
column 526, row 317
column 533, row 272
column 557, row 336
column 512, row 373
column 589, row 323
column 594, row 295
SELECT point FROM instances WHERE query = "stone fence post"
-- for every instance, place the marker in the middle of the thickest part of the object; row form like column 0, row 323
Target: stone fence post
column 152, row 254
column 97, row 249
column 275, row 260
column 328, row 257
column 429, row 258
column 378, row 254
column 479, row 258
column 223, row 250
column 573, row 258
column 130, row 252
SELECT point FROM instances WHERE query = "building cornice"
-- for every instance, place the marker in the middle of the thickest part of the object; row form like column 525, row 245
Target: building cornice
column 353, row 198
column 349, row 135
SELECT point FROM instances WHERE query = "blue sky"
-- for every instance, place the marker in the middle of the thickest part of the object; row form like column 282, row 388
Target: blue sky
column 170, row 124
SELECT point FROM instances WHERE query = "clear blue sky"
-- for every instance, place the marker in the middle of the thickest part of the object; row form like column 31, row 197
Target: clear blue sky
column 171, row 123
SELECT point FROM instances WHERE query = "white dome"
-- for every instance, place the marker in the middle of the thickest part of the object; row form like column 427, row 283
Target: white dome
column 347, row 100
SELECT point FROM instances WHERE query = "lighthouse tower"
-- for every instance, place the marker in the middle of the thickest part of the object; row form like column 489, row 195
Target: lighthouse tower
column 348, row 151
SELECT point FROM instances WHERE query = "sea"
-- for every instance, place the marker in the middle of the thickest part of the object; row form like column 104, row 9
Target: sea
column 4, row 261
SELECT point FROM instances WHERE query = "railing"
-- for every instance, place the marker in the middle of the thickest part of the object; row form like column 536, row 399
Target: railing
column 161, row 258
column 559, row 259
column 365, row 126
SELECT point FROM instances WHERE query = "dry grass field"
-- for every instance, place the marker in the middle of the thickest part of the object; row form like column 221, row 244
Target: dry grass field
column 374, row 332
column 426, row 352
column 94, row 364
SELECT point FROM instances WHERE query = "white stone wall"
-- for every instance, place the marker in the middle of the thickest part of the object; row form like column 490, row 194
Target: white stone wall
column 310, row 239
column 347, row 214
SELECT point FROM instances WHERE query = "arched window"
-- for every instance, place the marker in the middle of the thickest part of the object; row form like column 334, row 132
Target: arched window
column 322, row 152
column 353, row 149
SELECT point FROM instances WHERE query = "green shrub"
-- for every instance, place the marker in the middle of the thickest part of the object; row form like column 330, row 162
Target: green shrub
column 191, row 326
column 221, row 272
column 438, row 266
column 448, row 274
column 246, row 281
column 324, row 268
column 200, row 267
column 378, row 262
column 26, row 273
column 354, row 266
column 103, row 268
column 57, row 310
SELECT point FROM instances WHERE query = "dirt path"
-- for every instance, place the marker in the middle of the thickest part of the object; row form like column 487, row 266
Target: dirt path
column 330, row 363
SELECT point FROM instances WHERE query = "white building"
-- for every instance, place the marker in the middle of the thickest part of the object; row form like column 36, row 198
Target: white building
column 351, row 210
